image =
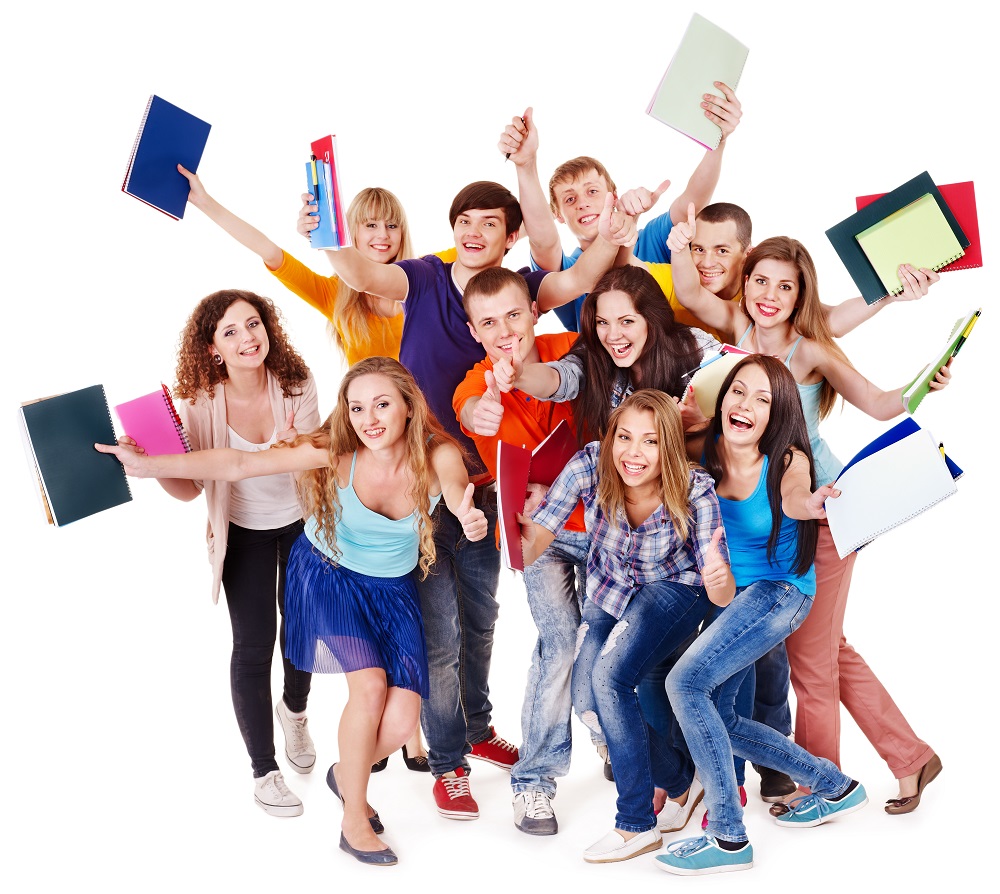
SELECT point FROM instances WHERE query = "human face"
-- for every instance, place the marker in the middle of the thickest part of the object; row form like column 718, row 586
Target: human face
column 746, row 407
column 718, row 257
column 240, row 338
column 378, row 240
column 636, row 449
column 504, row 323
column 579, row 203
column 481, row 238
column 771, row 292
column 619, row 328
column 378, row 411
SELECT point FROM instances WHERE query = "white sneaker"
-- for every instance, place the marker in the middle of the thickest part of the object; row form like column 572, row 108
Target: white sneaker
column 613, row 846
column 533, row 813
column 273, row 796
column 299, row 748
column 674, row 817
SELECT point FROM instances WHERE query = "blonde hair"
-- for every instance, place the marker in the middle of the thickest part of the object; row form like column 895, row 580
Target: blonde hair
column 675, row 468
column 349, row 321
column 318, row 487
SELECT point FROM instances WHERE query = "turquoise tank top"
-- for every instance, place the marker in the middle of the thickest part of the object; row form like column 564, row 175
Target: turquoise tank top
column 828, row 467
column 748, row 525
column 368, row 542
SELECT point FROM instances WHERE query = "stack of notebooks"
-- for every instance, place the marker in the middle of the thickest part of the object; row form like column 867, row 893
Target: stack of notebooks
column 323, row 182
column 916, row 224
column 706, row 54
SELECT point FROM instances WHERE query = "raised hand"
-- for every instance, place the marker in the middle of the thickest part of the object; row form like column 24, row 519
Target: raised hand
column 197, row 196
column 682, row 233
column 942, row 379
column 915, row 282
column 473, row 520
column 488, row 413
column 636, row 201
column 616, row 227
column 519, row 140
column 307, row 222
column 507, row 370
column 724, row 110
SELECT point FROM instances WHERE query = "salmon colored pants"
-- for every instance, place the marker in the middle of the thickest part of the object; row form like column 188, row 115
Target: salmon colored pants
column 826, row 671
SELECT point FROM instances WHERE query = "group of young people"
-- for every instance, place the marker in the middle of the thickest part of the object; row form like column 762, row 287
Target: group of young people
column 679, row 571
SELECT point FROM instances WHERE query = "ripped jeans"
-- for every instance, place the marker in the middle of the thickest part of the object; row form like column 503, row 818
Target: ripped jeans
column 612, row 658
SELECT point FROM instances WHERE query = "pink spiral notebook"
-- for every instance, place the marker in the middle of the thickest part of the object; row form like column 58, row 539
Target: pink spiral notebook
column 152, row 422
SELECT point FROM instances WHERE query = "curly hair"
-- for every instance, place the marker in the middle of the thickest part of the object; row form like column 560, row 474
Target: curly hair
column 198, row 374
column 424, row 434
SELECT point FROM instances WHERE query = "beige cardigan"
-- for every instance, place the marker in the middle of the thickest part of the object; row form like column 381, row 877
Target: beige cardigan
column 205, row 423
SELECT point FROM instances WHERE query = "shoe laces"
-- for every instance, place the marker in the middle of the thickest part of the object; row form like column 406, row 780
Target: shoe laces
column 538, row 806
column 457, row 786
column 277, row 782
column 501, row 743
column 299, row 733
column 808, row 802
column 688, row 846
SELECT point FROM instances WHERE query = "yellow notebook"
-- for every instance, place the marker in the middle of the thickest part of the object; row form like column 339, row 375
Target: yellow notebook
column 918, row 234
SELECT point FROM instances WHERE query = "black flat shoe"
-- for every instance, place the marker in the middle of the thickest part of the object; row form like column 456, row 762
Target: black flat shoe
column 375, row 822
column 418, row 764
column 774, row 785
column 381, row 765
column 384, row 857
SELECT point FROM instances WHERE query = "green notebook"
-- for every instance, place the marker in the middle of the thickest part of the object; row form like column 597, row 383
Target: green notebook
column 919, row 388
column 918, row 234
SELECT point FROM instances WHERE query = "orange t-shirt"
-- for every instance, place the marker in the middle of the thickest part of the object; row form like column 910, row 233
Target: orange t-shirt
column 526, row 420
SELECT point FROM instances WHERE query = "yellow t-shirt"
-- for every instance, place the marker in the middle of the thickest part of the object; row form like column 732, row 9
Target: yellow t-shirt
column 663, row 274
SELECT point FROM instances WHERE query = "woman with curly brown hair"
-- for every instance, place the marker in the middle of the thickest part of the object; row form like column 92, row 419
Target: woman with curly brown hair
column 241, row 384
column 369, row 479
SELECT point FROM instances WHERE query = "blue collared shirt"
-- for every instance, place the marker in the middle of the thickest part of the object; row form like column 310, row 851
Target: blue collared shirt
column 621, row 558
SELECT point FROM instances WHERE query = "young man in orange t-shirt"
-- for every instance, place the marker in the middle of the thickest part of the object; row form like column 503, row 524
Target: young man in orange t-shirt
column 502, row 318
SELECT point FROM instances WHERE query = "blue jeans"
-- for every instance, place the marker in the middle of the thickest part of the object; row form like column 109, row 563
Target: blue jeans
column 459, row 605
column 770, row 697
column 760, row 616
column 613, row 658
column 555, row 584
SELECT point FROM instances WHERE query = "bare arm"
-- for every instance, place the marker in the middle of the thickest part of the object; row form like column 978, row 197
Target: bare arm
column 457, row 491
column 847, row 315
column 235, row 226
column 798, row 500
column 519, row 142
column 534, row 539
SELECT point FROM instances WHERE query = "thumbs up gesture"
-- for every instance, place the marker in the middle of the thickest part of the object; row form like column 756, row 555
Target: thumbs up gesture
column 636, row 201
column 507, row 370
column 473, row 520
column 716, row 574
column 682, row 233
column 488, row 413
column 616, row 227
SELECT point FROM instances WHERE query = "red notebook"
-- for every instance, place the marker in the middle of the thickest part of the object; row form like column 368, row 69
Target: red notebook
column 152, row 422
column 517, row 467
column 325, row 150
column 961, row 199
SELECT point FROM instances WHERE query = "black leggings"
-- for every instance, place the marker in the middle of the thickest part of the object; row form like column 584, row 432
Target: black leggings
column 253, row 572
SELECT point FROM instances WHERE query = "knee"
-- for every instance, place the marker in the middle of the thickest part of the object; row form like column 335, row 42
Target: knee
column 369, row 693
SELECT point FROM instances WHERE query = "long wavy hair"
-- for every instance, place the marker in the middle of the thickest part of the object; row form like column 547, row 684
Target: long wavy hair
column 675, row 468
column 349, row 321
column 318, row 487
column 670, row 351
column 786, row 431
column 808, row 318
column 196, row 371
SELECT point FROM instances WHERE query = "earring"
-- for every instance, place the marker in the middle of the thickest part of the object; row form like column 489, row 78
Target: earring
column 217, row 359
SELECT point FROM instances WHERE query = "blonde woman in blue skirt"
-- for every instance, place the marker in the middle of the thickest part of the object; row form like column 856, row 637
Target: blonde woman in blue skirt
column 369, row 479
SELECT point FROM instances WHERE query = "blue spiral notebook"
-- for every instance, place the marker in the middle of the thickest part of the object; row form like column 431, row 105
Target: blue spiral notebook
column 167, row 136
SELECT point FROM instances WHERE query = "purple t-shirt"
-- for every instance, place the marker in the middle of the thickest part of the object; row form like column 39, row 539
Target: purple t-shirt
column 437, row 346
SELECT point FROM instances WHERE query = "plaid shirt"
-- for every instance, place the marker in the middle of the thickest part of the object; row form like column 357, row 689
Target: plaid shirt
column 622, row 558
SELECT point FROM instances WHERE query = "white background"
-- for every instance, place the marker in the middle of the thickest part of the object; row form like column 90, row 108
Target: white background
column 125, row 767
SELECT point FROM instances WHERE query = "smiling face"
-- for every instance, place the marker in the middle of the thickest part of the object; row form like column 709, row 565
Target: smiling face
column 579, row 203
column 718, row 256
column 240, row 338
column 481, row 238
column 636, row 450
column 771, row 291
column 620, row 329
column 503, row 322
column 746, row 406
column 378, row 240
column 377, row 410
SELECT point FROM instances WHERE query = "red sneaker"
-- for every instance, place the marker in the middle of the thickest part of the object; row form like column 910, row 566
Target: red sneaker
column 743, row 803
column 496, row 751
column 454, row 797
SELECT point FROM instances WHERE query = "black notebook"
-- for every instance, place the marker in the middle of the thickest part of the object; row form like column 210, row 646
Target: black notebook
column 168, row 136
column 74, row 480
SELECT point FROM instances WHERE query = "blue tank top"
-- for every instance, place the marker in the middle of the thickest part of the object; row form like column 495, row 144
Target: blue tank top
column 748, row 526
column 828, row 467
column 368, row 542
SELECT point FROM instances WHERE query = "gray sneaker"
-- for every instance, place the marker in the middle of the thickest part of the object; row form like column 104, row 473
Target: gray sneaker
column 273, row 797
column 533, row 813
column 299, row 748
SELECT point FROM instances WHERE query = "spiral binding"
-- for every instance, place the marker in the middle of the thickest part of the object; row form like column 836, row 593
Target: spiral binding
column 169, row 401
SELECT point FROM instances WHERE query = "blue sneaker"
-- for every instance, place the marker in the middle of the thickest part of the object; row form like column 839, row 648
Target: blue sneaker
column 813, row 810
column 700, row 856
